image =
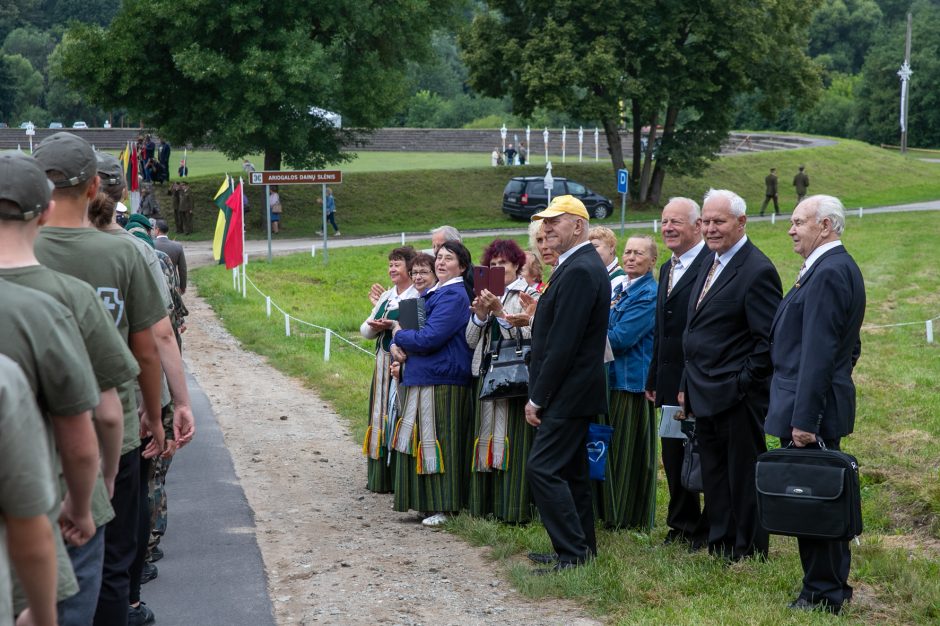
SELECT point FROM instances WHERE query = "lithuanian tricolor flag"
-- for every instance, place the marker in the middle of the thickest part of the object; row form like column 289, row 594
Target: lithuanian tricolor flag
column 222, row 222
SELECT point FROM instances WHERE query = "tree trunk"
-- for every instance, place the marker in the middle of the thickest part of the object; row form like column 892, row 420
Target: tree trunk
column 272, row 159
column 648, row 158
column 614, row 146
column 659, row 172
column 637, row 119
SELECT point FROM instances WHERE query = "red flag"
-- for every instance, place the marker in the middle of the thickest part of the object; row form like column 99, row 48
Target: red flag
column 134, row 182
column 234, row 245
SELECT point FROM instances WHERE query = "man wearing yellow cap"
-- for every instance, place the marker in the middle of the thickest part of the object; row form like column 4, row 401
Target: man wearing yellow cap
column 567, row 385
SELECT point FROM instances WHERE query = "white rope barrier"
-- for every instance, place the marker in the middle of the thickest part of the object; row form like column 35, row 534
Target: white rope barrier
column 288, row 318
column 928, row 326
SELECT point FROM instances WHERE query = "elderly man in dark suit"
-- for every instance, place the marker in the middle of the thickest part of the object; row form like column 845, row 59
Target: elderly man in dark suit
column 172, row 249
column 726, row 380
column 682, row 234
column 567, row 383
column 814, row 346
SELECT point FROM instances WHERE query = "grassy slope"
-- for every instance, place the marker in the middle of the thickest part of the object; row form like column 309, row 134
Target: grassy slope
column 635, row 580
column 416, row 200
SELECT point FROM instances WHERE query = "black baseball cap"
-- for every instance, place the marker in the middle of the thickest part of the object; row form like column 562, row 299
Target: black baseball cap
column 23, row 183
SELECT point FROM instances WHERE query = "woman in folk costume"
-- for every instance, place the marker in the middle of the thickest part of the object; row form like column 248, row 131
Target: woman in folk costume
column 605, row 242
column 502, row 438
column 431, row 438
column 378, row 326
column 628, row 495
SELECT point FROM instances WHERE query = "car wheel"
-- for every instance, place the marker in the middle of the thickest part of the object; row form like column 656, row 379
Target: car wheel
column 601, row 211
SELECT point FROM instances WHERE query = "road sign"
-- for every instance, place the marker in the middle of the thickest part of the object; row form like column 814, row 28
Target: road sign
column 622, row 181
column 296, row 177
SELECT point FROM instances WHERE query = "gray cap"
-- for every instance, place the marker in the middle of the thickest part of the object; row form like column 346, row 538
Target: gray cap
column 23, row 182
column 109, row 169
column 69, row 154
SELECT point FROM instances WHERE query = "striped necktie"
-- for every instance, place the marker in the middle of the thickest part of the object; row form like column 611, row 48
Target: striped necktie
column 708, row 281
column 672, row 269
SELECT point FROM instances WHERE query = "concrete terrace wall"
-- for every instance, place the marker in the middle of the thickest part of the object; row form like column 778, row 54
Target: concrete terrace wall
column 442, row 140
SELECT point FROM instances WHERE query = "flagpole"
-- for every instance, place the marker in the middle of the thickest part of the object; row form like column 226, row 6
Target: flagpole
column 241, row 206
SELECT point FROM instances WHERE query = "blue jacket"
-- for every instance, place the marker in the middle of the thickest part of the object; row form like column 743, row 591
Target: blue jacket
column 438, row 354
column 630, row 331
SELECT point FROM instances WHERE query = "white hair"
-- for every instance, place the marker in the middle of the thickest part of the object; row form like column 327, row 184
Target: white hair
column 534, row 228
column 831, row 207
column 735, row 202
column 450, row 233
column 695, row 212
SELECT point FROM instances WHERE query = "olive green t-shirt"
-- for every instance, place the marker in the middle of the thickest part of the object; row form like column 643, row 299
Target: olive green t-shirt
column 111, row 359
column 26, row 487
column 121, row 278
column 41, row 336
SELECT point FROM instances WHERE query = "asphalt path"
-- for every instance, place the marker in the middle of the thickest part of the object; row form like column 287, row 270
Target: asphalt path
column 199, row 253
column 212, row 573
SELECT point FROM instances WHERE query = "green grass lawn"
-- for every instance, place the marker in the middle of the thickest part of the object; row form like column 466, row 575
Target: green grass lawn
column 896, row 570
column 386, row 193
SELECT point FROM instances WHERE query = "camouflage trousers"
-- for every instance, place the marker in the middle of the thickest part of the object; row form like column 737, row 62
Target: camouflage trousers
column 156, row 486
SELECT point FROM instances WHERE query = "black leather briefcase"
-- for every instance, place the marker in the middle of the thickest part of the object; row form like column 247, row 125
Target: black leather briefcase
column 812, row 493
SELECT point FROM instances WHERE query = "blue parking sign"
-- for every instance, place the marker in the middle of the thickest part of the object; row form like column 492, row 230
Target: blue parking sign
column 622, row 181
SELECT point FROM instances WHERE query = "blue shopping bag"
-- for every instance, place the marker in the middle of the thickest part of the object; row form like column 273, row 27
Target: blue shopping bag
column 598, row 445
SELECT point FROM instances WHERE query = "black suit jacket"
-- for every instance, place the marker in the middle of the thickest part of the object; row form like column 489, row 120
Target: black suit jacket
column 567, row 377
column 727, row 338
column 815, row 344
column 672, row 314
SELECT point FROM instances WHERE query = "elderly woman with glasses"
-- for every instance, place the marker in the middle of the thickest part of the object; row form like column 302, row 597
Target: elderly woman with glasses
column 502, row 438
column 628, row 495
column 431, row 438
column 378, row 326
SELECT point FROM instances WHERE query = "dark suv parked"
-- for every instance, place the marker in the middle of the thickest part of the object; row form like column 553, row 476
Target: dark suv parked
column 526, row 195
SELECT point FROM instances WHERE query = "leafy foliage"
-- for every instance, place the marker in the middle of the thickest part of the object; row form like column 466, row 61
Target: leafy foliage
column 243, row 75
column 648, row 62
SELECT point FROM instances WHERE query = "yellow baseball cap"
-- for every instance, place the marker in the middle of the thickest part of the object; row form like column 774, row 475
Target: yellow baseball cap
column 561, row 205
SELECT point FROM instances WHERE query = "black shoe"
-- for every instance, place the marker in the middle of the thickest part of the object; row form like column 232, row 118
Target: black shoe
column 543, row 558
column 697, row 545
column 561, row 566
column 156, row 554
column 674, row 536
column 802, row 604
column 140, row 615
column 148, row 573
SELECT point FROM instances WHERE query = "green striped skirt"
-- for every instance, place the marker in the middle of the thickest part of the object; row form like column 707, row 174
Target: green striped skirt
column 445, row 492
column 505, row 493
column 379, row 474
column 627, row 498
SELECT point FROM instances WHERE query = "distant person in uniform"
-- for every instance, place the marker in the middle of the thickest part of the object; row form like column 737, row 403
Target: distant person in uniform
column 183, row 171
column 801, row 184
column 186, row 208
column 770, row 191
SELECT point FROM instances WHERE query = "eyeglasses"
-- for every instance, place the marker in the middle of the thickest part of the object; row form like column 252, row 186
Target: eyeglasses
column 421, row 273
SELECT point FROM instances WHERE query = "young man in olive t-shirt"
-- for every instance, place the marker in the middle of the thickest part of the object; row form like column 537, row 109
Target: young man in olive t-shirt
column 27, row 492
column 41, row 336
column 112, row 362
column 114, row 268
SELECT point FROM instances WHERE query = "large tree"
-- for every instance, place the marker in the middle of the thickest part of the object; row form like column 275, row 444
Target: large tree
column 243, row 75
column 669, row 64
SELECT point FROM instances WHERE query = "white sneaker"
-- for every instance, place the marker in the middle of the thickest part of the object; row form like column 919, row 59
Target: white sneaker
column 336, row 234
column 435, row 520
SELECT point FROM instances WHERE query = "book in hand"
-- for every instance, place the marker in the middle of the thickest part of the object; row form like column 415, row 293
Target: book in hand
column 493, row 279
column 411, row 314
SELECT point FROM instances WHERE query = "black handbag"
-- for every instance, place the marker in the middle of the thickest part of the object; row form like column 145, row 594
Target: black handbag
column 812, row 493
column 506, row 373
column 691, row 477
